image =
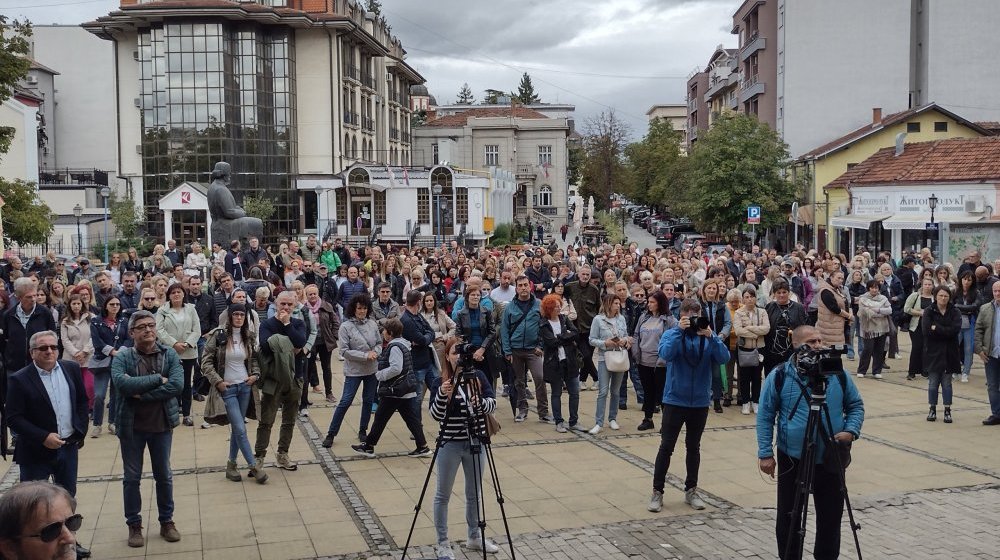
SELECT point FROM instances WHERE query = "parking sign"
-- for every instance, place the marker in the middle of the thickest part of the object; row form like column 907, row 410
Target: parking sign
column 753, row 214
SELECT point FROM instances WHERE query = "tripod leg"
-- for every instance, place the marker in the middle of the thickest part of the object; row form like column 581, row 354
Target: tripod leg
column 803, row 486
column 477, row 482
column 495, row 479
column 423, row 493
column 842, row 479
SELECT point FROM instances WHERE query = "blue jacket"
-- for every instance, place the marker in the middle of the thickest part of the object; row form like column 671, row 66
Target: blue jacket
column 690, row 359
column 847, row 413
column 524, row 335
column 106, row 339
column 349, row 290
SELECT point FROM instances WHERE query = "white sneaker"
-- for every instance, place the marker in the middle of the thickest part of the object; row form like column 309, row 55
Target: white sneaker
column 561, row 427
column 304, row 413
column 965, row 378
column 205, row 425
column 340, row 356
column 444, row 551
column 613, row 424
column 478, row 545
column 878, row 376
column 754, row 405
column 595, row 430
column 95, row 432
column 861, row 375
column 655, row 502
column 745, row 409
column 692, row 499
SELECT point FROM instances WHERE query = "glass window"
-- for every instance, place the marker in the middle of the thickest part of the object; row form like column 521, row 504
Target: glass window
column 545, row 155
column 491, row 155
column 462, row 205
column 941, row 126
column 545, row 196
column 423, row 206
column 913, row 127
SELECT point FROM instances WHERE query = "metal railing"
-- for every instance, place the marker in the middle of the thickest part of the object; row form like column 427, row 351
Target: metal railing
column 352, row 72
column 67, row 176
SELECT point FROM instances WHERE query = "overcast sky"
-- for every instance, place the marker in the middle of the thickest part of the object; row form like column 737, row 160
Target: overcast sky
column 596, row 54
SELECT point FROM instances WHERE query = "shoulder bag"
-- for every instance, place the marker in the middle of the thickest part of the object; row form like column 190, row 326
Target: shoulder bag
column 748, row 358
column 616, row 361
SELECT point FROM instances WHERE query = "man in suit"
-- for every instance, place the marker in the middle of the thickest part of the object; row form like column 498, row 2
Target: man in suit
column 47, row 407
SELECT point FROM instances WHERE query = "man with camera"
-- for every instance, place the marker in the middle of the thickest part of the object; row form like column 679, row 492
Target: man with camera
column 692, row 351
column 784, row 399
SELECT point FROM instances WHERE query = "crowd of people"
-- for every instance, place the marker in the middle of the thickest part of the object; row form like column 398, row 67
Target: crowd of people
column 126, row 348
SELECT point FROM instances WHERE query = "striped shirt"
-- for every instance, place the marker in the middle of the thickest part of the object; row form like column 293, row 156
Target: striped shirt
column 455, row 427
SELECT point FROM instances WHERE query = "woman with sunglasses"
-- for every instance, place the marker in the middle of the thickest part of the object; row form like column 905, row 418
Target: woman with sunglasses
column 178, row 326
column 108, row 333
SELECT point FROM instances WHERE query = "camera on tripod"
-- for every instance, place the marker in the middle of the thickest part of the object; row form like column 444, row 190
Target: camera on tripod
column 817, row 364
column 466, row 367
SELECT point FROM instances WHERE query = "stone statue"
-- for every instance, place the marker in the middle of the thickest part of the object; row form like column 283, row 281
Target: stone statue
column 229, row 221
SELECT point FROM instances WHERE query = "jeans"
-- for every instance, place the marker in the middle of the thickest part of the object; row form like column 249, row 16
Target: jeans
column 197, row 368
column 674, row 417
column 388, row 405
column 102, row 379
column 587, row 370
column 237, row 400
column 993, row 385
column 287, row 399
column 184, row 399
column 873, row 352
column 62, row 468
column 653, row 379
column 159, row 455
column 967, row 345
column 607, row 381
column 450, row 456
column 369, row 384
column 573, row 388
column 523, row 361
column 934, row 380
column 425, row 377
column 856, row 330
column 829, row 504
column 633, row 374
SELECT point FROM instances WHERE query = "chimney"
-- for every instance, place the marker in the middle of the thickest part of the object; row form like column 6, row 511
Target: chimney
column 876, row 115
column 900, row 143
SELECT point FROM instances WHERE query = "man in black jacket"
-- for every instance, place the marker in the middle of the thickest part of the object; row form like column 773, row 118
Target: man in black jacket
column 907, row 276
column 130, row 294
column 421, row 337
column 539, row 276
column 233, row 265
column 784, row 316
column 343, row 252
column 253, row 254
column 22, row 321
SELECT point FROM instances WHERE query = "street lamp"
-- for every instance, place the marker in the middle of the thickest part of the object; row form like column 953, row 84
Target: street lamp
column 78, row 211
column 932, row 203
column 105, row 193
column 437, row 190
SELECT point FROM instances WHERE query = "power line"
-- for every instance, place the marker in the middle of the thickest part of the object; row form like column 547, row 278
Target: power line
column 28, row 6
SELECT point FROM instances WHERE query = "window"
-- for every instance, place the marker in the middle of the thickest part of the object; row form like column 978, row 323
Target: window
column 380, row 213
column 913, row 127
column 435, row 154
column 941, row 126
column 491, row 155
column 545, row 155
column 461, row 205
column 545, row 196
column 423, row 206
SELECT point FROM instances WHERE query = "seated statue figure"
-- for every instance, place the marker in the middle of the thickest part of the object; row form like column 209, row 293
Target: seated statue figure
column 229, row 220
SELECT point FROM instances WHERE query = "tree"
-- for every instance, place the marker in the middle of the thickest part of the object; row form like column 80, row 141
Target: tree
column 418, row 118
column 492, row 96
column 738, row 163
column 526, row 91
column 125, row 215
column 14, row 65
column 26, row 219
column 604, row 170
column 259, row 206
column 656, row 166
column 577, row 156
column 465, row 96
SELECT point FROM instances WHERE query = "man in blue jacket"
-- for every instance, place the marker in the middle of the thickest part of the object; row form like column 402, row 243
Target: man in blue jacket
column 789, row 407
column 523, row 349
column 691, row 355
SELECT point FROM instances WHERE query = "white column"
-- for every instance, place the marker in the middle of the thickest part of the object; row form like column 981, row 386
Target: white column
column 168, row 224
column 208, row 229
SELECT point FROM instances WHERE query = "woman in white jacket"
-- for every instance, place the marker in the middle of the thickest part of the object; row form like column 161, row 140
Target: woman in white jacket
column 74, row 330
column 178, row 326
column 751, row 324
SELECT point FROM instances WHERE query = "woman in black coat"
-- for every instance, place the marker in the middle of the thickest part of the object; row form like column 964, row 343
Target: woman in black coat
column 941, row 324
column 560, row 364
column 475, row 325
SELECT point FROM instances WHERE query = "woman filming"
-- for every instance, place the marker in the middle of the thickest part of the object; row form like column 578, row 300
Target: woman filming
column 450, row 405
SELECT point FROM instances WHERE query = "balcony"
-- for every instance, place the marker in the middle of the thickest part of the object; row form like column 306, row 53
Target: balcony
column 67, row 176
column 352, row 72
column 367, row 124
column 368, row 81
column 393, row 133
column 393, row 96
column 527, row 171
column 405, row 137
column 754, row 43
column 750, row 87
column 351, row 118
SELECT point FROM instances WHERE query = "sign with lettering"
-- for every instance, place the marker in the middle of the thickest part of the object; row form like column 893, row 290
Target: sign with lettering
column 753, row 214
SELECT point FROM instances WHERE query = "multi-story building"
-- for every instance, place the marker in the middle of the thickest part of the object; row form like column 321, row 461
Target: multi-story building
column 292, row 93
column 697, row 109
column 520, row 141
column 19, row 113
column 673, row 113
column 710, row 92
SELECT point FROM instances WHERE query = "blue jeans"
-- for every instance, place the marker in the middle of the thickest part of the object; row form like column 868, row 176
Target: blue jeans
column 102, row 379
column 159, row 454
column 633, row 374
column 425, row 377
column 62, row 469
column 351, row 384
column 450, row 455
column 573, row 388
column 993, row 385
column 935, row 379
column 237, row 400
column 607, row 382
column 967, row 347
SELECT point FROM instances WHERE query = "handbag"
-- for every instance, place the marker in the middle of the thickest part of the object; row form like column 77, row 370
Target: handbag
column 747, row 358
column 492, row 425
column 616, row 361
column 202, row 385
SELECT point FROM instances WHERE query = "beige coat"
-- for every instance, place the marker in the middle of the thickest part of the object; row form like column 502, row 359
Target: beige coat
column 173, row 326
column 830, row 325
column 750, row 327
column 75, row 337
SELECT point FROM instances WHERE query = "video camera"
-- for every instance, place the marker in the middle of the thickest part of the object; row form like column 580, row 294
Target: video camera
column 817, row 364
column 466, row 367
column 698, row 323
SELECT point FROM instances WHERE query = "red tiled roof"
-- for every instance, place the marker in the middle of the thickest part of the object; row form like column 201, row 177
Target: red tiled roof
column 460, row 119
column 886, row 122
column 956, row 160
column 992, row 126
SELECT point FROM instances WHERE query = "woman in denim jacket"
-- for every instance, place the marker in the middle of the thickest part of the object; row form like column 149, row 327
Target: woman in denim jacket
column 608, row 332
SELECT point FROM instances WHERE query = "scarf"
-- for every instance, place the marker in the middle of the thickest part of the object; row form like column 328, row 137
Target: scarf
column 314, row 309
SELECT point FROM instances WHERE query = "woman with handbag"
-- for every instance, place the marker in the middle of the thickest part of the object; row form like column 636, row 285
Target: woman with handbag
column 916, row 304
column 178, row 327
column 230, row 365
column 397, row 388
column 78, row 345
column 655, row 321
column 560, row 364
column 360, row 344
column 608, row 335
column 966, row 300
column 453, row 405
column 751, row 325
column 108, row 332
column 440, row 322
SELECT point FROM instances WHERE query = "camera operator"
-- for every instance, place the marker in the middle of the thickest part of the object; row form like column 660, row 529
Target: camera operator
column 451, row 399
column 785, row 399
column 691, row 351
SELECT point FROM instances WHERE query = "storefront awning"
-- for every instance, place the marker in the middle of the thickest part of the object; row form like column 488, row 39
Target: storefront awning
column 920, row 221
column 857, row 221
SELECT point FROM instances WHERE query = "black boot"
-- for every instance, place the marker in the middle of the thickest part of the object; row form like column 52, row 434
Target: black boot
column 718, row 405
column 947, row 415
column 727, row 401
column 932, row 415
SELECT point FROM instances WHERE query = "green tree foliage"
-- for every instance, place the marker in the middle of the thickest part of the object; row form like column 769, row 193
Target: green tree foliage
column 465, row 96
column 738, row 163
column 492, row 96
column 14, row 64
column 657, row 170
column 577, row 155
column 26, row 219
column 526, row 91
column 259, row 206
column 418, row 118
column 125, row 215
column 604, row 171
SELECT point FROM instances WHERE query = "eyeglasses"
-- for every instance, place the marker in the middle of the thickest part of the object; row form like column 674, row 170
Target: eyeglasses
column 149, row 299
column 114, row 304
column 52, row 531
column 48, row 348
column 144, row 327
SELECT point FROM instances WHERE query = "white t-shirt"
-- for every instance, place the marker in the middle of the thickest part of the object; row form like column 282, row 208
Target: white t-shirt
column 503, row 296
column 557, row 330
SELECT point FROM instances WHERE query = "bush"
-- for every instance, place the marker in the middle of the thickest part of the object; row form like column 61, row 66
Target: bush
column 143, row 246
column 613, row 225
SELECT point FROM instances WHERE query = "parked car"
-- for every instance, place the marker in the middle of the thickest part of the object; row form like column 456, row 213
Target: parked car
column 662, row 235
column 687, row 240
column 639, row 216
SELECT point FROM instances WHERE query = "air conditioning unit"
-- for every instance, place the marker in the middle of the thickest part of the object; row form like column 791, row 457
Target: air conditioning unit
column 137, row 102
column 975, row 206
column 135, row 55
column 32, row 79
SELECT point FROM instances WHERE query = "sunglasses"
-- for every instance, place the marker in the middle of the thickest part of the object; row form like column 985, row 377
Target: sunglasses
column 149, row 299
column 145, row 327
column 48, row 348
column 52, row 531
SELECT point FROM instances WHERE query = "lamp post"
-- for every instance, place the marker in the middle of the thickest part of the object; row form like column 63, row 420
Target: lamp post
column 932, row 203
column 105, row 193
column 78, row 211
column 437, row 190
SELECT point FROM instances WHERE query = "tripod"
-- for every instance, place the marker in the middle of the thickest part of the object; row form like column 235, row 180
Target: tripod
column 816, row 431
column 479, row 444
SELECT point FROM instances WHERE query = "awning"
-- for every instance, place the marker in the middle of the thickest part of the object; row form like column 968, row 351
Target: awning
column 920, row 221
column 805, row 216
column 857, row 221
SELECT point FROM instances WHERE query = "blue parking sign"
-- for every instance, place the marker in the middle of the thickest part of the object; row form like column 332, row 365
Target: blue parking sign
column 753, row 214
